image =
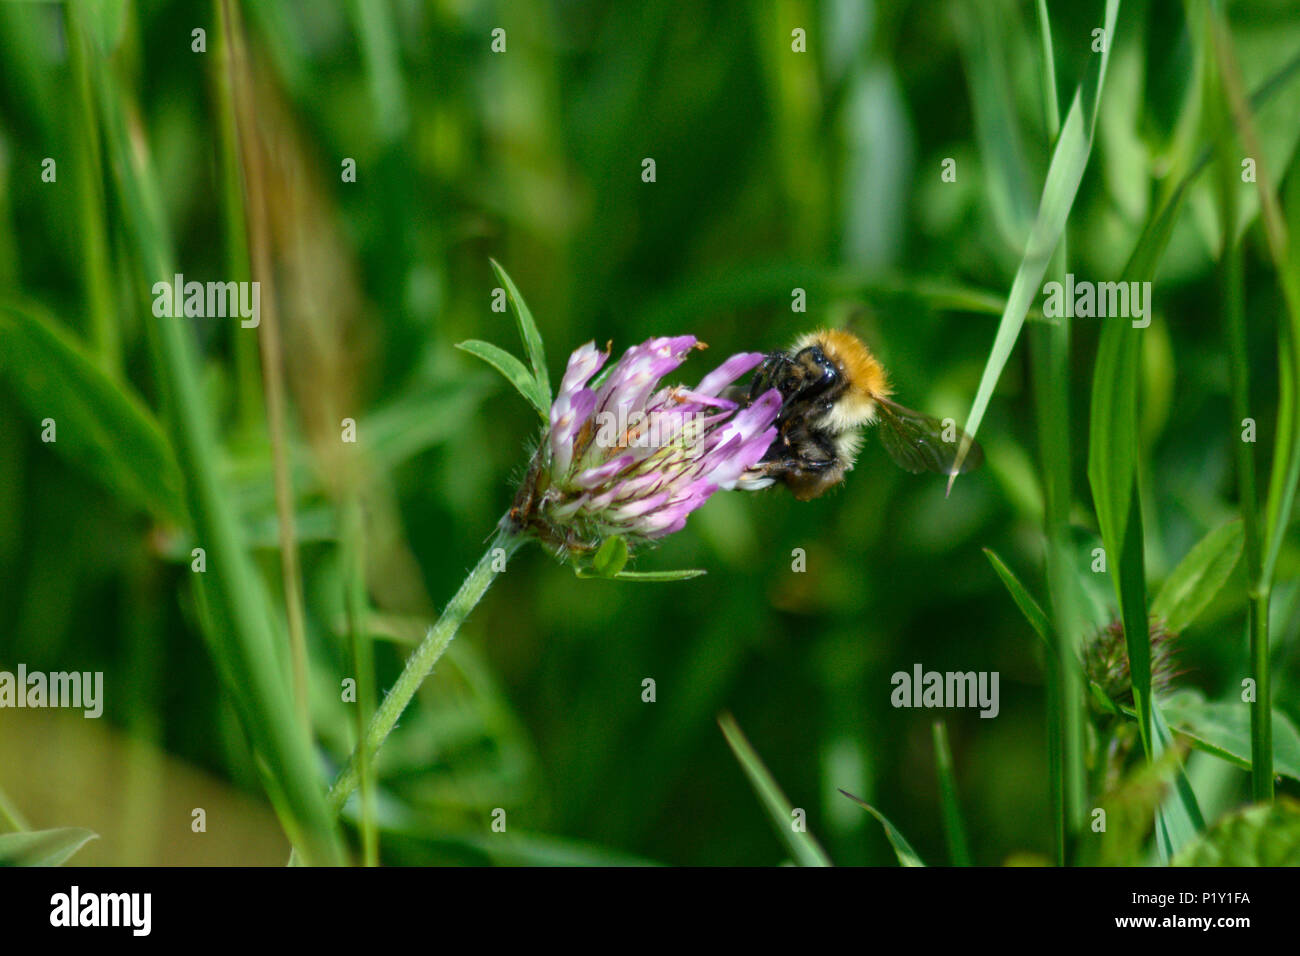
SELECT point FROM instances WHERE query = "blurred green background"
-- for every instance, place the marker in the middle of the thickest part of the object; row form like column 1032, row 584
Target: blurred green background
column 775, row 170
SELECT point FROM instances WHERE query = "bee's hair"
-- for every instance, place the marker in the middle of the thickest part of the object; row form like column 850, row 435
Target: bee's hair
column 863, row 373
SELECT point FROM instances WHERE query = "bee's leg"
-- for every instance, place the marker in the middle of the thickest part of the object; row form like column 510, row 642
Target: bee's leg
column 770, row 374
column 810, row 479
column 801, row 453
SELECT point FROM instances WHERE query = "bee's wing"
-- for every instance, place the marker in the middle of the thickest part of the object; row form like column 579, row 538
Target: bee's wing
column 916, row 441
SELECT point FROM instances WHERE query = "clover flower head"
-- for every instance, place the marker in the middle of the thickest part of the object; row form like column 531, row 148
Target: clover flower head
column 1105, row 660
column 624, row 455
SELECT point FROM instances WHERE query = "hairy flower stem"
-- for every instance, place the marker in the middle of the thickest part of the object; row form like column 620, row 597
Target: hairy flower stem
column 421, row 662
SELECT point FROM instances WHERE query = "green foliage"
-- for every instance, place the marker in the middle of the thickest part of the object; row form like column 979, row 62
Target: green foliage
column 1024, row 600
column 1199, row 577
column 611, row 557
column 100, row 424
column 954, row 828
column 1179, row 818
column 1064, row 173
column 783, row 177
column 529, row 333
column 1119, row 837
column 792, row 832
column 513, row 370
column 1267, row 835
column 43, row 847
column 1222, row 728
column 902, row 849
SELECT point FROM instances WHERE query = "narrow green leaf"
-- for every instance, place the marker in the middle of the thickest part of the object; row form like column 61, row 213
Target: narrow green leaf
column 377, row 29
column 953, row 828
column 1285, row 475
column 102, row 22
column 1222, row 728
column 682, row 575
column 99, row 424
column 902, row 849
column 1199, row 576
column 528, row 332
column 1260, row 835
column 43, row 847
column 1113, row 431
column 997, row 127
column 1130, row 587
column 240, row 623
column 805, row 850
column 1024, row 600
column 1069, row 160
column 1051, row 103
column 1151, row 244
column 647, row 577
column 513, row 370
column 1179, row 818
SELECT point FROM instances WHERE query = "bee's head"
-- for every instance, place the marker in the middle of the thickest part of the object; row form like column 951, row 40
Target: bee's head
column 817, row 374
column 849, row 374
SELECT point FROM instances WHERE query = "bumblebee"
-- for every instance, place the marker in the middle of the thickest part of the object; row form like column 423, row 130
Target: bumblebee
column 831, row 388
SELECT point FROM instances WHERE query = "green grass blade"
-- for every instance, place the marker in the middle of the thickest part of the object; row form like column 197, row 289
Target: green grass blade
column 997, row 128
column 1030, row 608
column 1051, row 103
column 1198, row 577
column 528, row 332
column 512, row 369
column 1151, row 244
column 1231, row 278
column 100, row 424
column 1285, row 475
column 378, row 31
column 241, row 631
column 1179, row 819
column 1286, row 459
column 96, row 259
column 1049, row 353
column 805, row 850
column 1112, row 474
column 1113, row 442
column 953, row 828
column 11, row 817
column 1113, row 434
column 1130, row 585
column 1069, row 160
column 902, row 849
column 234, row 217
column 43, row 847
